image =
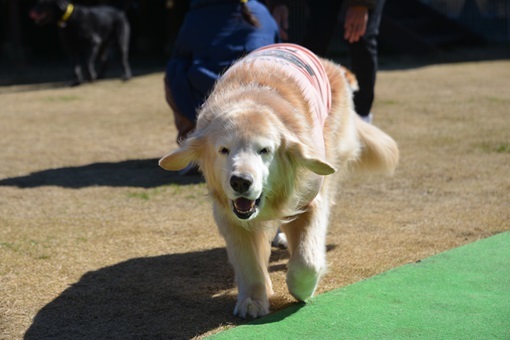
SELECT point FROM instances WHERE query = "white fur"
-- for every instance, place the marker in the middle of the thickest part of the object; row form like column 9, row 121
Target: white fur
column 255, row 125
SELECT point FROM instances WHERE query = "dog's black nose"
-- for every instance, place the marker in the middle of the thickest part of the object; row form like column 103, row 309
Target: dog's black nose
column 241, row 184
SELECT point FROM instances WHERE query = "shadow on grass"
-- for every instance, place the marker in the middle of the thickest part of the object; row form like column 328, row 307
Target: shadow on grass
column 176, row 296
column 140, row 173
column 164, row 297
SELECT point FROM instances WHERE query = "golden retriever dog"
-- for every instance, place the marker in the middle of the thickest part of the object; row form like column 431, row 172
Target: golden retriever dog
column 272, row 140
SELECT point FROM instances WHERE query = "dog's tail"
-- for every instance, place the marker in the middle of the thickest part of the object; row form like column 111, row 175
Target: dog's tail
column 379, row 152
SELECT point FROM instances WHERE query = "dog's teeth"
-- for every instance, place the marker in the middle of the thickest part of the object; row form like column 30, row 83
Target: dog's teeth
column 243, row 204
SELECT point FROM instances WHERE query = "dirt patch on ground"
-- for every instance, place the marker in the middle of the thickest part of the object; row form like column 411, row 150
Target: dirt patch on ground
column 96, row 241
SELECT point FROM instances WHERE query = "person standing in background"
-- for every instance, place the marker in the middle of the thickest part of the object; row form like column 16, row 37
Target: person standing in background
column 361, row 29
column 214, row 34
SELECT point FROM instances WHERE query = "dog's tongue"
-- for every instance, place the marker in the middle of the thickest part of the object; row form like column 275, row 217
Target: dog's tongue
column 244, row 204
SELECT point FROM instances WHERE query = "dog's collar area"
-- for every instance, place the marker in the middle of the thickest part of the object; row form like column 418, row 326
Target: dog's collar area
column 69, row 10
column 245, row 208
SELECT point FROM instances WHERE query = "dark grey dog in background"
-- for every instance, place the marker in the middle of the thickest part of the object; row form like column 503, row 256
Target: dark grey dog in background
column 87, row 32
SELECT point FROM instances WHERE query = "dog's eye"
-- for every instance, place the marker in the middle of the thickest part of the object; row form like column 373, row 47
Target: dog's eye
column 224, row 151
column 263, row 151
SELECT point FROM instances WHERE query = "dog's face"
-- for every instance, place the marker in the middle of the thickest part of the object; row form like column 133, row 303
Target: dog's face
column 248, row 159
column 245, row 154
column 48, row 11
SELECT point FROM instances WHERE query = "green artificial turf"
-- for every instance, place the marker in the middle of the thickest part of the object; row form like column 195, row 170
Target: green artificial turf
column 463, row 293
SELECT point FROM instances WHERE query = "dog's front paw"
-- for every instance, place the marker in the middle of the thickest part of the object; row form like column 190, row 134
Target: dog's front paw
column 302, row 280
column 248, row 308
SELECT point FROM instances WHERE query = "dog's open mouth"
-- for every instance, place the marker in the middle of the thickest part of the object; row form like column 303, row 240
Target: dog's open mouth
column 244, row 208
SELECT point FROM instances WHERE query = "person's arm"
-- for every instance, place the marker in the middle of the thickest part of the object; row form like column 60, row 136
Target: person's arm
column 280, row 11
column 356, row 18
column 355, row 25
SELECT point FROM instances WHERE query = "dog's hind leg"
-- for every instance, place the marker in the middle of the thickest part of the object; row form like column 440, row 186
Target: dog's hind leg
column 249, row 252
column 306, row 236
column 92, row 57
column 78, row 74
column 103, row 61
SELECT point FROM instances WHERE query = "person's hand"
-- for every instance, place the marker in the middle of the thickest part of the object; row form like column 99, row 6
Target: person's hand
column 355, row 25
column 281, row 16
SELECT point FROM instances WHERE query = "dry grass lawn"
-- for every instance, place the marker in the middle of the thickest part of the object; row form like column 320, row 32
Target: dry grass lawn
column 97, row 242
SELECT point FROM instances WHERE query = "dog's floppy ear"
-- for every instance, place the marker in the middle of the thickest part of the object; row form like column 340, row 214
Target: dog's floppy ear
column 301, row 156
column 190, row 150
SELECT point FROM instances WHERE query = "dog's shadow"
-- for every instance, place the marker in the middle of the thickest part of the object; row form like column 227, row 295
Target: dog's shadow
column 141, row 173
column 173, row 296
